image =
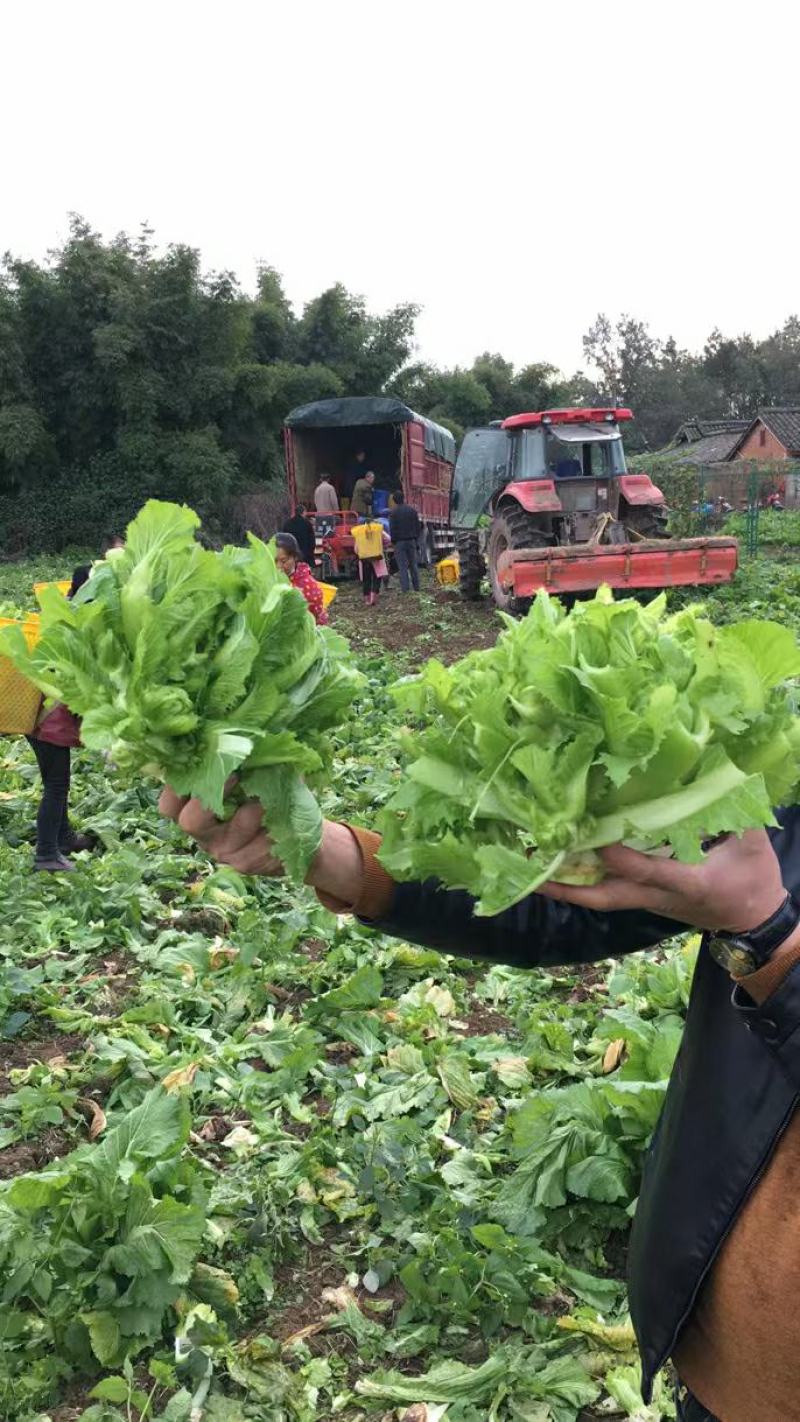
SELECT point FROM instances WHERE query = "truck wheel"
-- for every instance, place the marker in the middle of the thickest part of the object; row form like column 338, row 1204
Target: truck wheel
column 511, row 528
column 471, row 565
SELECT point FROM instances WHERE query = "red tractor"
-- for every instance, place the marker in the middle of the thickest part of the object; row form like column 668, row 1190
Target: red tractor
column 545, row 501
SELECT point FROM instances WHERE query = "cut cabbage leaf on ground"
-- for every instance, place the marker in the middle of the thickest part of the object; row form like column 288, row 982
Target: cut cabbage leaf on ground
column 192, row 666
column 613, row 722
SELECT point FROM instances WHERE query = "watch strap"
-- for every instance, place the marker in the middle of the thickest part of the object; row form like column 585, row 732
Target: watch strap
column 767, row 936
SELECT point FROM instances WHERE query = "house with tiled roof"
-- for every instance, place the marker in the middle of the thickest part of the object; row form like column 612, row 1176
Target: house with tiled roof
column 773, row 434
column 707, row 441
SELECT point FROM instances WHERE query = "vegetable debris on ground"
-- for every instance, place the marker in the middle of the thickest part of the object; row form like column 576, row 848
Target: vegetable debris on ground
column 613, row 722
column 192, row 665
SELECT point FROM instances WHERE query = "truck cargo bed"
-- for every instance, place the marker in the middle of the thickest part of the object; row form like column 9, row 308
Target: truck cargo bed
column 651, row 563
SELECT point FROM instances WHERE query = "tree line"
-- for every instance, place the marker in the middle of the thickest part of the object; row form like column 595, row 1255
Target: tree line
column 126, row 373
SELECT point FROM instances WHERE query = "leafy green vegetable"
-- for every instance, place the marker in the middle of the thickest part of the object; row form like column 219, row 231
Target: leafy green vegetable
column 192, row 666
column 613, row 722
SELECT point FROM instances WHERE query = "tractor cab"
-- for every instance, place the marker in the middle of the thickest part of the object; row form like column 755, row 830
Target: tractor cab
column 553, row 446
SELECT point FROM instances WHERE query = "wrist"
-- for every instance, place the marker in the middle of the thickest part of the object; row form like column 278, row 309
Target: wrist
column 337, row 869
column 757, row 912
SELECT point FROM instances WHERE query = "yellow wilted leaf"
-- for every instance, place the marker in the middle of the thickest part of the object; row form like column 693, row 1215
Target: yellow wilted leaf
column 181, row 1076
column 619, row 1336
column 614, row 1054
column 341, row 1298
column 221, row 954
column 97, row 1116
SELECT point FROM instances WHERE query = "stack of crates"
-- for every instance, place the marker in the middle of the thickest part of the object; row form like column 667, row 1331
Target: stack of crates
column 447, row 570
column 20, row 700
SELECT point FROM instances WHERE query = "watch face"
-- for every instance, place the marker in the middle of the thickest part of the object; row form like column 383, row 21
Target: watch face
column 734, row 955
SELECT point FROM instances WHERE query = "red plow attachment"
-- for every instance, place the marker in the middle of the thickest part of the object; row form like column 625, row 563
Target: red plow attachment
column 652, row 563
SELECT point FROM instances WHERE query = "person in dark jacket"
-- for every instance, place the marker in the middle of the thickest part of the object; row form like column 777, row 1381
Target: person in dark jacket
column 354, row 471
column 404, row 530
column 302, row 529
column 57, row 732
column 715, row 1249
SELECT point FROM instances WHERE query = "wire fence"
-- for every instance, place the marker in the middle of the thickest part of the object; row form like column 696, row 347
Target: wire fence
column 759, row 505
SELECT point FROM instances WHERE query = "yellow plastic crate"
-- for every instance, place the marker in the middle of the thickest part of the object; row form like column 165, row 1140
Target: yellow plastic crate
column 447, row 570
column 63, row 587
column 328, row 593
column 20, row 700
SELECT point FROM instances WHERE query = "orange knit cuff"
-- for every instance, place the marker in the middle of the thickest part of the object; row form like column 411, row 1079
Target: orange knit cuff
column 376, row 892
column 767, row 980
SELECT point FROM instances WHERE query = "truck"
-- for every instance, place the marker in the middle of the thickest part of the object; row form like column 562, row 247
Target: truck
column 407, row 453
column 545, row 500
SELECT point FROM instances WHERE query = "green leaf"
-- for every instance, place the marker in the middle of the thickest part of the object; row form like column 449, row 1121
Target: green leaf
column 151, row 1131
column 111, row 1390
column 104, row 1335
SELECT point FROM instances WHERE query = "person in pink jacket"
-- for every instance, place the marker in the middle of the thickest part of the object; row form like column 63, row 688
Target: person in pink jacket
column 55, row 735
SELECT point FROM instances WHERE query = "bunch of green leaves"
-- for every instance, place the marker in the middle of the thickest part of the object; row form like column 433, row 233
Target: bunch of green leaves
column 95, row 1249
column 192, row 666
column 611, row 723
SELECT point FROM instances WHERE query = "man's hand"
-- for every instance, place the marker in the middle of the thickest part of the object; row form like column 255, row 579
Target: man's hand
column 243, row 843
column 737, row 887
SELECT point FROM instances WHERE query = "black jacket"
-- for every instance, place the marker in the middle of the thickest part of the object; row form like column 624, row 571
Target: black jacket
column 404, row 523
column 734, row 1086
column 304, row 533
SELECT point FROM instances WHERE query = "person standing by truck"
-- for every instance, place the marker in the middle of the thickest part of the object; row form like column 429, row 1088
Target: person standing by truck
column 405, row 529
column 355, row 470
column 362, row 495
column 325, row 499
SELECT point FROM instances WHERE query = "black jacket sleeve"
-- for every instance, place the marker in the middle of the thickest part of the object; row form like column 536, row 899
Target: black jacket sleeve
column 536, row 932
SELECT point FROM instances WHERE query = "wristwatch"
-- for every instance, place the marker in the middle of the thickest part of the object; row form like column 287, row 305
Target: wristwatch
column 743, row 953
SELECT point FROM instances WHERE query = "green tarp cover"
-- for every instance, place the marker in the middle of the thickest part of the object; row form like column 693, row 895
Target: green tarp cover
column 371, row 410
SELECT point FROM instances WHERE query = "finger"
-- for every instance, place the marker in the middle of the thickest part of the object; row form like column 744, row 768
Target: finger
column 639, row 868
column 255, row 858
column 244, row 827
column 609, row 896
column 170, row 804
column 197, row 821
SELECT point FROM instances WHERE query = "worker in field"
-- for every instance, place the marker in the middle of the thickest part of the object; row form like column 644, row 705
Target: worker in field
column 302, row 530
column 56, row 735
column 361, row 502
column 404, row 530
column 325, row 497
column 715, row 1250
column 288, row 559
column 370, row 539
column 354, row 471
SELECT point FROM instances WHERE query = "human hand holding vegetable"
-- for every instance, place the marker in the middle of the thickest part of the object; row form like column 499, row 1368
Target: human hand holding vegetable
column 737, row 887
column 243, row 843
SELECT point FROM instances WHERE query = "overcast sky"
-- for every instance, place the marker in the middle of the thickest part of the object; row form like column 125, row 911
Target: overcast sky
column 513, row 168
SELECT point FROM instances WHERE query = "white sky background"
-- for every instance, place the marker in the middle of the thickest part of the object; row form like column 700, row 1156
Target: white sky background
column 513, row 168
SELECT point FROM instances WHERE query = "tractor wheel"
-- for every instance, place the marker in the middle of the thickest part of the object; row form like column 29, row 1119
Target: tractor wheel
column 511, row 528
column 472, row 566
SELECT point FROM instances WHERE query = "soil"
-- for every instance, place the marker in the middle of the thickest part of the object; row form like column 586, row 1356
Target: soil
column 18, row 1055
column 303, row 1281
column 50, row 1144
column 485, row 1022
column 434, row 622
